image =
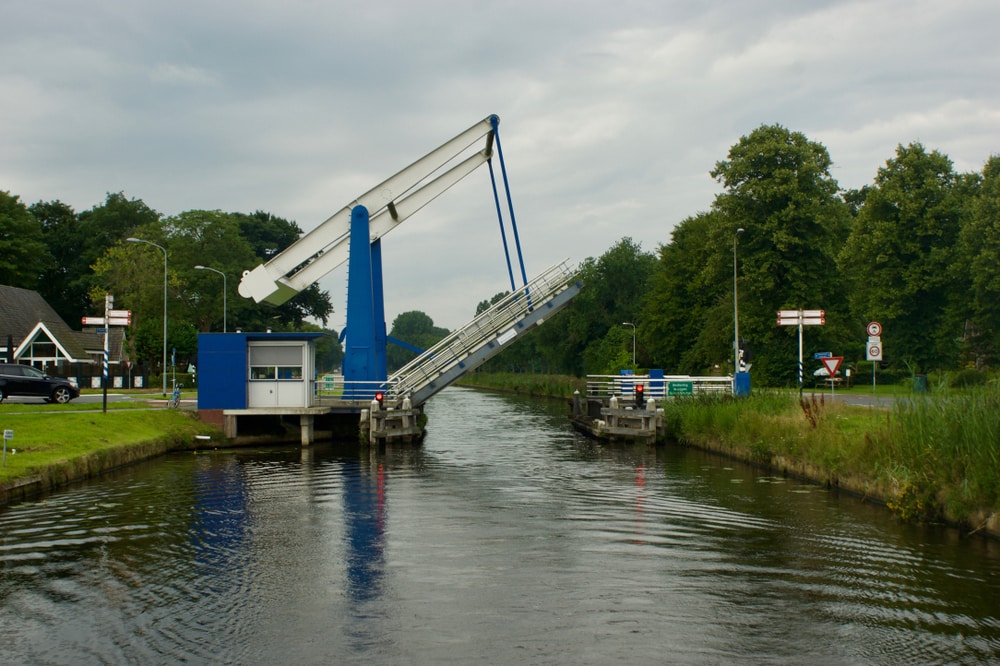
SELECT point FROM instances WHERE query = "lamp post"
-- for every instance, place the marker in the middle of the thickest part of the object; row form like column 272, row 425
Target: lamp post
column 736, row 310
column 164, row 369
column 224, row 290
column 628, row 323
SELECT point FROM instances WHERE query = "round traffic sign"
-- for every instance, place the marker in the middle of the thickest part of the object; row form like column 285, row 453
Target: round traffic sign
column 874, row 352
column 874, row 329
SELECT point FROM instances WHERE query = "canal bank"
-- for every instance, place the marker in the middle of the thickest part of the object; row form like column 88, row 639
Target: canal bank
column 51, row 448
column 928, row 458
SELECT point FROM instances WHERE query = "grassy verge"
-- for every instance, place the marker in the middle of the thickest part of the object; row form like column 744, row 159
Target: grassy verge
column 552, row 386
column 55, row 446
column 927, row 458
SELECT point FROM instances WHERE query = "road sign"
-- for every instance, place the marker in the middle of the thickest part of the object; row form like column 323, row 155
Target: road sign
column 822, row 354
column 832, row 364
column 112, row 321
column 120, row 313
column 680, row 388
column 804, row 317
column 874, row 352
column 874, row 329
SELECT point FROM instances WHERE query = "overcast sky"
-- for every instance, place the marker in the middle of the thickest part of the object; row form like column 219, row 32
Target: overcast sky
column 611, row 114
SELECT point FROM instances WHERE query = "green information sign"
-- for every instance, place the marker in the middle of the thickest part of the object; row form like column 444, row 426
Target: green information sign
column 680, row 388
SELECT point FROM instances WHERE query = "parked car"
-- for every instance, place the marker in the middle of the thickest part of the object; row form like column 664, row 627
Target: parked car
column 24, row 380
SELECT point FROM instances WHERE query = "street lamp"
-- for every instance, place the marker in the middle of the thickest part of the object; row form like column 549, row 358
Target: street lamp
column 736, row 310
column 164, row 370
column 224, row 289
column 628, row 323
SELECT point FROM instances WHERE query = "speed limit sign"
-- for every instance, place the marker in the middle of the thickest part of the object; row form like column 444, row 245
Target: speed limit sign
column 874, row 329
column 874, row 352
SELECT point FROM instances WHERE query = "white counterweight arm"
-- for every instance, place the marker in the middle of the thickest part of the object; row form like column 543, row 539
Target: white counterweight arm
column 324, row 248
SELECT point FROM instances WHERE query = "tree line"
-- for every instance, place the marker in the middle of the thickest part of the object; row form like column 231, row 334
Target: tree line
column 916, row 250
column 73, row 258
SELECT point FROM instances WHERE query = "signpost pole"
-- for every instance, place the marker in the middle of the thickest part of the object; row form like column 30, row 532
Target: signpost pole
column 800, row 354
column 108, row 300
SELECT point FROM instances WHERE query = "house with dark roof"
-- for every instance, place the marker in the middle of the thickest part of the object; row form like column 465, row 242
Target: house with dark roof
column 32, row 333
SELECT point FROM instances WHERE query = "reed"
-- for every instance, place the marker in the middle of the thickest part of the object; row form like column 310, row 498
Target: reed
column 929, row 457
column 942, row 451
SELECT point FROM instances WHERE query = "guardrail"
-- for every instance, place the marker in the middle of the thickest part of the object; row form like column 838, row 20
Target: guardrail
column 668, row 386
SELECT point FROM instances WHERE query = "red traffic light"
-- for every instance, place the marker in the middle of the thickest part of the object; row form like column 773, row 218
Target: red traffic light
column 379, row 397
column 639, row 392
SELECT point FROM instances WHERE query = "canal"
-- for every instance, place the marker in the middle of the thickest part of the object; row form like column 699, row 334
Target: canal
column 505, row 539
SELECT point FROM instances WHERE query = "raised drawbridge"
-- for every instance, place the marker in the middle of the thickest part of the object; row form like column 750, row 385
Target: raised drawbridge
column 355, row 233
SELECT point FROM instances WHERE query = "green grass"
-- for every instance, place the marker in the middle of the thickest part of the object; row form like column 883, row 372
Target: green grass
column 553, row 386
column 56, row 437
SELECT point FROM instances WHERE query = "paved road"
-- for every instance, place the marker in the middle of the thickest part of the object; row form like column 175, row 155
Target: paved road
column 859, row 399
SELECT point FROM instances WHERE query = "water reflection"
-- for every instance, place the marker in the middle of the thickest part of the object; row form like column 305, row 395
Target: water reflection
column 364, row 521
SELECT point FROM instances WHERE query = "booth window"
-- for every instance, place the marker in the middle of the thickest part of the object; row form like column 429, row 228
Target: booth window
column 276, row 362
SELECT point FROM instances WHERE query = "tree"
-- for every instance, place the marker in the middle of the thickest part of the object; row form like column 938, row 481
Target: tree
column 268, row 235
column 24, row 258
column 899, row 256
column 60, row 285
column 413, row 328
column 682, row 291
column 980, row 247
column 780, row 191
column 613, row 290
column 209, row 238
column 97, row 230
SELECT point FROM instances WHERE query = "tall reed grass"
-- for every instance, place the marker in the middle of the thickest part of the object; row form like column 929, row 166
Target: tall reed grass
column 928, row 457
column 943, row 451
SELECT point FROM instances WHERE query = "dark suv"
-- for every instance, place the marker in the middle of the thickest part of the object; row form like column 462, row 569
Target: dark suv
column 24, row 380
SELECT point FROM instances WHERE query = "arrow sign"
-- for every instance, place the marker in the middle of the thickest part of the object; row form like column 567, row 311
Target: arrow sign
column 804, row 317
column 93, row 321
column 832, row 364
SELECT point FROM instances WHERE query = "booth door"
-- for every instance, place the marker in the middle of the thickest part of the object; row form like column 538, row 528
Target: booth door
column 276, row 375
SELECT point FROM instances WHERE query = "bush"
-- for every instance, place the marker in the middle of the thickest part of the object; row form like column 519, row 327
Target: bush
column 968, row 377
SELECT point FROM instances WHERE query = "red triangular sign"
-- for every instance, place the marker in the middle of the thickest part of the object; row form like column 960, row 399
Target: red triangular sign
column 832, row 364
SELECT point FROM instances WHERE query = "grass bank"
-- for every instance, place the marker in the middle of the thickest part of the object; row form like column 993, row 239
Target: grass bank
column 54, row 446
column 931, row 457
column 548, row 386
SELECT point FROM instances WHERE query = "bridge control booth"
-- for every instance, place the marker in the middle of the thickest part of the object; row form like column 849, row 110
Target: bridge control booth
column 257, row 378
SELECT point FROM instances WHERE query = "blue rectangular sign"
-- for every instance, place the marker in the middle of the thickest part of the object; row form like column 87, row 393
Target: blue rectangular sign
column 823, row 355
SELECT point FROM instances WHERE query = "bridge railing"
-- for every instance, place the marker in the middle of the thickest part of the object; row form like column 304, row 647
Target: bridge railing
column 496, row 326
column 667, row 386
column 335, row 389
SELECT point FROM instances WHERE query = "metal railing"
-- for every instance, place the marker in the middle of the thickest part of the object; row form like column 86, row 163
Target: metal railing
column 657, row 387
column 496, row 326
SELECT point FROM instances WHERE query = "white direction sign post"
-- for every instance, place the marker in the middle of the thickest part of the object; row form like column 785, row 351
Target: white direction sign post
column 111, row 318
column 801, row 318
